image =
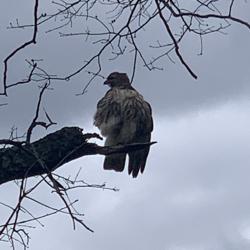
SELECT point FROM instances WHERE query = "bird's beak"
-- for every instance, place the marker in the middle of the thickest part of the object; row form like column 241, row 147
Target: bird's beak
column 106, row 82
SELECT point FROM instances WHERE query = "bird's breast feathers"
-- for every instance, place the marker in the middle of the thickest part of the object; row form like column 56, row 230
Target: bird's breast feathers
column 121, row 107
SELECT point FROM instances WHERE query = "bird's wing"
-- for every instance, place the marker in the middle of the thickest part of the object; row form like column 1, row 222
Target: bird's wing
column 142, row 134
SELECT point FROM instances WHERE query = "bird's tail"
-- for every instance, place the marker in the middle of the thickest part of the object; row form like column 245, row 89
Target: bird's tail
column 137, row 161
column 115, row 162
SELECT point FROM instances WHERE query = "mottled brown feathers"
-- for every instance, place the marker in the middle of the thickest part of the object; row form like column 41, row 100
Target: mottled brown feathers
column 124, row 117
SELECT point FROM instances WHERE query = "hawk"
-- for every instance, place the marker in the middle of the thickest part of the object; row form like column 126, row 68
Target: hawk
column 124, row 117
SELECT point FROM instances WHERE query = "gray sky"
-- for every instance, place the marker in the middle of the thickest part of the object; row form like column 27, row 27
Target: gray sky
column 194, row 192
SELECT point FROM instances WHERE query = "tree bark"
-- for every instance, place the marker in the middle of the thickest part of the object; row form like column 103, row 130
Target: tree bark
column 51, row 152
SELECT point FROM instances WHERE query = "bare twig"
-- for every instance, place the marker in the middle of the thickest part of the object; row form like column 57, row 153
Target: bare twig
column 13, row 53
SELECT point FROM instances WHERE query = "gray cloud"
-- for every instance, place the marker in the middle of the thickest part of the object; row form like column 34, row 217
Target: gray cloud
column 222, row 70
column 194, row 193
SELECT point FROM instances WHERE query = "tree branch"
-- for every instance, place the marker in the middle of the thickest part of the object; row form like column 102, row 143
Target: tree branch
column 51, row 152
column 170, row 33
column 14, row 52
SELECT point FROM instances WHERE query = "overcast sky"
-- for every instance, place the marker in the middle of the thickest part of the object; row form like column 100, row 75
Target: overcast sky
column 194, row 194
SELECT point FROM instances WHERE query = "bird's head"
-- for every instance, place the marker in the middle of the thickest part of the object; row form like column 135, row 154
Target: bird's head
column 117, row 79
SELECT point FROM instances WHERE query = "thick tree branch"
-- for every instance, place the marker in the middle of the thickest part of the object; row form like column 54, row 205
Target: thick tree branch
column 51, row 152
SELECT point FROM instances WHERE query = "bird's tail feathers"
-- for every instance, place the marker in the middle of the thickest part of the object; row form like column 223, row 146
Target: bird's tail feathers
column 137, row 161
column 115, row 162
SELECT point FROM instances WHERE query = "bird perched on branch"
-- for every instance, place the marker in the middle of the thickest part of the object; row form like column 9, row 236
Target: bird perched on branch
column 124, row 117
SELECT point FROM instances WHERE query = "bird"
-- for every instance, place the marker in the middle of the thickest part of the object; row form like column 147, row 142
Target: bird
column 124, row 117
